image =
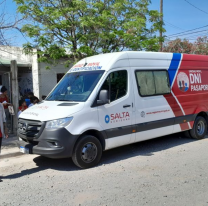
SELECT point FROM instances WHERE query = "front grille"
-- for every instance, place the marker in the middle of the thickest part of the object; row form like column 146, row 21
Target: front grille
column 30, row 128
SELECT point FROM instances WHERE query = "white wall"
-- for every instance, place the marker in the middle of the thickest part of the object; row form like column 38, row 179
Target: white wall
column 48, row 77
column 15, row 53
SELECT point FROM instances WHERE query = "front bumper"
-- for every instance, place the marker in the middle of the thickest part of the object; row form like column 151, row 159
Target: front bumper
column 52, row 143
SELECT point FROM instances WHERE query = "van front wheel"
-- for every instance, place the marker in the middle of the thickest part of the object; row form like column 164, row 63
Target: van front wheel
column 87, row 152
column 199, row 129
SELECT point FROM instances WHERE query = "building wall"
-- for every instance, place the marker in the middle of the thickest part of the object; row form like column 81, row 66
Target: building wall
column 26, row 62
column 48, row 77
column 43, row 81
column 15, row 53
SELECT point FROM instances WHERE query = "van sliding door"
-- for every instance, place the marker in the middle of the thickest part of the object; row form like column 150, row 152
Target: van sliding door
column 154, row 116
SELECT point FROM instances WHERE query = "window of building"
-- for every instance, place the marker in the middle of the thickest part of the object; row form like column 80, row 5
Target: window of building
column 152, row 82
column 59, row 76
column 116, row 84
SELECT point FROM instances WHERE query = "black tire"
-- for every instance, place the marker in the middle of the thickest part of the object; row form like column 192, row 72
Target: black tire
column 186, row 134
column 199, row 129
column 87, row 152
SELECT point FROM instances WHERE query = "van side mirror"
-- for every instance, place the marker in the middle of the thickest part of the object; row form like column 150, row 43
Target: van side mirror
column 103, row 97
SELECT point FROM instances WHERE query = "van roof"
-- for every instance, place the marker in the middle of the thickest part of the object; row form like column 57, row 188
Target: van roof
column 118, row 59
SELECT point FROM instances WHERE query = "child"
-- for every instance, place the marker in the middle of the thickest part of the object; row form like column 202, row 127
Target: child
column 22, row 106
column 34, row 100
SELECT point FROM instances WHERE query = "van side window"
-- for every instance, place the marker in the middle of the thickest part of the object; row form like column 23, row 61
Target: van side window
column 116, row 84
column 152, row 82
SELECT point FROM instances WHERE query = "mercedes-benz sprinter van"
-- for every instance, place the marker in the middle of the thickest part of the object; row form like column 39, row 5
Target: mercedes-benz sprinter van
column 115, row 99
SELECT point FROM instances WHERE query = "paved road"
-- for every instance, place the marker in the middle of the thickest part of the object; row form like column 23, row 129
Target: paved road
column 166, row 171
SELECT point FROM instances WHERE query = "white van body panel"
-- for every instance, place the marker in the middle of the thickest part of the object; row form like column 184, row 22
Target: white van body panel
column 152, row 108
column 85, row 120
column 117, row 141
column 50, row 110
column 107, row 113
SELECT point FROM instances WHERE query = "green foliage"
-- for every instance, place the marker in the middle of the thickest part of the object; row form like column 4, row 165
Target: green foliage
column 78, row 28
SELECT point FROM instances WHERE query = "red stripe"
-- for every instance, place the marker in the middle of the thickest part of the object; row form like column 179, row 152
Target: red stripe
column 184, row 126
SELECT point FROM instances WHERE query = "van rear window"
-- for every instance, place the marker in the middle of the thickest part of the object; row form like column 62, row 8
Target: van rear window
column 152, row 83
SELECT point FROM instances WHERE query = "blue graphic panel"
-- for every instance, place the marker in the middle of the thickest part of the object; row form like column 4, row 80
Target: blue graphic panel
column 174, row 66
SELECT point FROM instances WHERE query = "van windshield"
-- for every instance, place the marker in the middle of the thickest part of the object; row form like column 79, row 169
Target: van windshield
column 75, row 86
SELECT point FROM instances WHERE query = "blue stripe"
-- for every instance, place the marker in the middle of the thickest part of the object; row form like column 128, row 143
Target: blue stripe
column 174, row 66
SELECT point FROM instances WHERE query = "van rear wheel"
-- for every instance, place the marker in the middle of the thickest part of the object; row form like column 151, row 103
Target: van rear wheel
column 199, row 129
column 87, row 152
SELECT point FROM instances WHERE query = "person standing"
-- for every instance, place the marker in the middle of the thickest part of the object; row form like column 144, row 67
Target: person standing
column 3, row 128
column 4, row 99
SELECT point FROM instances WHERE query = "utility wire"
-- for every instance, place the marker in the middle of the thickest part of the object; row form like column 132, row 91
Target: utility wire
column 196, row 7
column 187, row 31
column 191, row 37
column 172, row 25
column 190, row 33
column 201, row 33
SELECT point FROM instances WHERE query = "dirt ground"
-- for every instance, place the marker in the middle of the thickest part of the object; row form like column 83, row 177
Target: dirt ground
column 170, row 170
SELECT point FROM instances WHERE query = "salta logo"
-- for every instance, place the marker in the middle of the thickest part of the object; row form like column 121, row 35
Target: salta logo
column 183, row 81
column 107, row 119
column 117, row 117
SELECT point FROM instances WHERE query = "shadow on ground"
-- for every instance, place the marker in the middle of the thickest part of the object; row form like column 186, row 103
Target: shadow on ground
column 146, row 148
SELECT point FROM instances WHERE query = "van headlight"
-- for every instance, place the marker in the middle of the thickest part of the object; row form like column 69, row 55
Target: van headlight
column 57, row 123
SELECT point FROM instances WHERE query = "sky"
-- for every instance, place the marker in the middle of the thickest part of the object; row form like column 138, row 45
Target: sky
column 179, row 16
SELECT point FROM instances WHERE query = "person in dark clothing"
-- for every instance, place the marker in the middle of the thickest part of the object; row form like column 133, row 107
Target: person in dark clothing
column 34, row 100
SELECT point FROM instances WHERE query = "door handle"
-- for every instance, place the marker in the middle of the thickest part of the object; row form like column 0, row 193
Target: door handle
column 126, row 105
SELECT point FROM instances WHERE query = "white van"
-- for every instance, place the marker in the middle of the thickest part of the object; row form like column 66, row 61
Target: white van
column 110, row 100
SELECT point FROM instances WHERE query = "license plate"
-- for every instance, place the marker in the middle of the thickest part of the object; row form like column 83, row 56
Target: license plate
column 24, row 150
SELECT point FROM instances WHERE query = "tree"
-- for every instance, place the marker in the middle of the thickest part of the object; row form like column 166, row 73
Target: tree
column 7, row 23
column 178, row 46
column 201, row 46
column 80, row 28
